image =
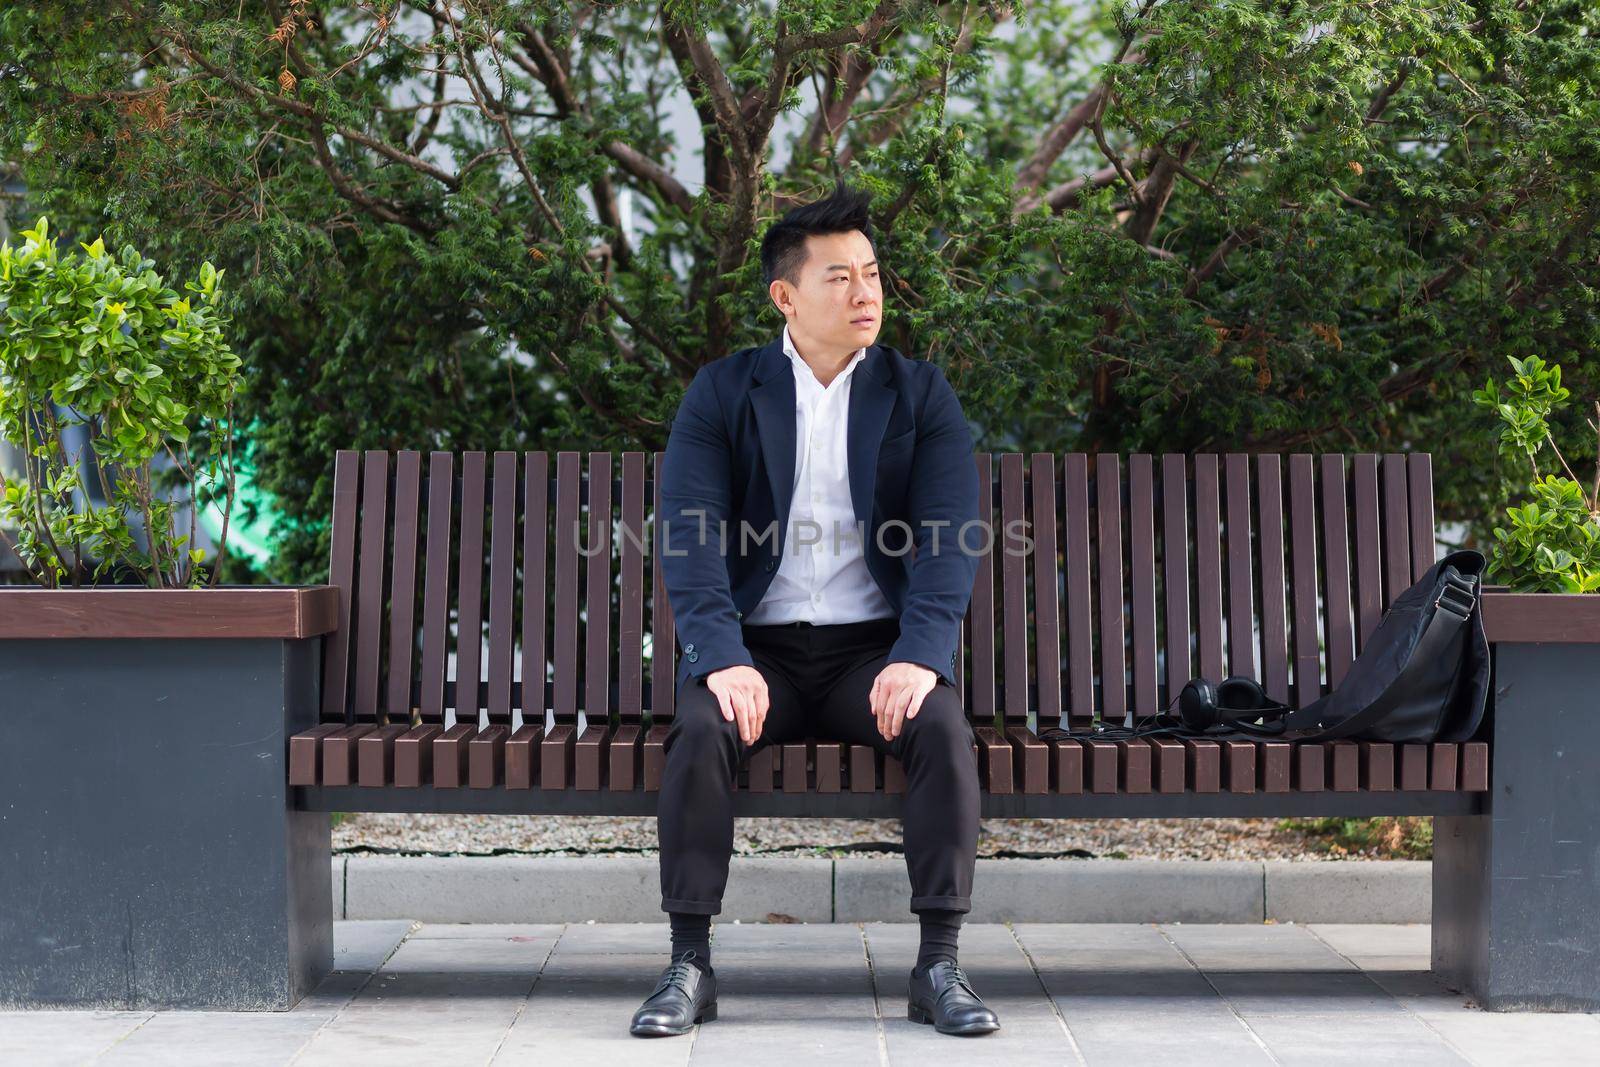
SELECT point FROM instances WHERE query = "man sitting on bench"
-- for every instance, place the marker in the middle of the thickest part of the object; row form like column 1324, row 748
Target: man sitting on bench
column 823, row 458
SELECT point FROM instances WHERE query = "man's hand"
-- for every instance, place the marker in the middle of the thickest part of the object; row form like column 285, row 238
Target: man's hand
column 742, row 693
column 897, row 695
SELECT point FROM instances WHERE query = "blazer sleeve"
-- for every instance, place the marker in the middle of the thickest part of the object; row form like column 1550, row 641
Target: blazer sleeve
column 696, row 494
column 942, row 498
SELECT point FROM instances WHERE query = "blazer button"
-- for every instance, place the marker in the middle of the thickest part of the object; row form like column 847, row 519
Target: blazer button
column 692, row 656
column 689, row 647
column 770, row 564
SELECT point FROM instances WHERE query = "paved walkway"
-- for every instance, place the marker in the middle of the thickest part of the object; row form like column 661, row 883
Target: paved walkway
column 1069, row 994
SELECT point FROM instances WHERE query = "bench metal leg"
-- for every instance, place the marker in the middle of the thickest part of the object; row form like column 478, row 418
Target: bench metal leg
column 149, row 857
column 1516, row 892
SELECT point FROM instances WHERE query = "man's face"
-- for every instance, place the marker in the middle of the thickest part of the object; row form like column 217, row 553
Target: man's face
column 838, row 301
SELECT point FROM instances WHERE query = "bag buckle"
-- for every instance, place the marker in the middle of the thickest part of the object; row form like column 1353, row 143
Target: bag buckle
column 1457, row 595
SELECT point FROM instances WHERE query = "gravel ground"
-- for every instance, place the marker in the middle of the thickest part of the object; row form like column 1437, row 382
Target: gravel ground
column 1231, row 839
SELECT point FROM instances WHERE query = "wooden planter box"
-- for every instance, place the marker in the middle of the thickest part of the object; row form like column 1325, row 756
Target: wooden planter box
column 149, row 855
column 1516, row 890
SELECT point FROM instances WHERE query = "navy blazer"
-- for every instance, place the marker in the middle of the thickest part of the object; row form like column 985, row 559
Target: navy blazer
column 731, row 455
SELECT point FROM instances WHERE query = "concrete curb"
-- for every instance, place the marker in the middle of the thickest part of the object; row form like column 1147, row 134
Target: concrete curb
column 556, row 889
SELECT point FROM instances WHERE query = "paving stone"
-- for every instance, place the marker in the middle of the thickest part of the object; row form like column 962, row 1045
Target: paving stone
column 51, row 1038
column 363, row 946
column 1030, row 1030
column 1127, row 995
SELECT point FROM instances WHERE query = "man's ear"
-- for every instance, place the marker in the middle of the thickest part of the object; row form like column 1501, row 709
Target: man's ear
column 781, row 292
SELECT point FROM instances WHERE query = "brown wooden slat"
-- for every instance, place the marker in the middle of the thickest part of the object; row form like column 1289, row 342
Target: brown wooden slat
column 522, row 757
column 469, row 603
column 1344, row 766
column 1241, row 572
column 1269, row 541
column 1442, row 767
column 1135, row 757
column 863, row 769
column 1066, row 766
column 1368, row 548
column 994, row 760
column 413, row 756
column 591, row 746
column 794, row 767
column 1175, row 572
column 625, row 758
column 1108, row 545
column 1303, row 551
column 1205, row 765
column 502, row 587
column 1310, row 768
column 341, row 575
column 1012, row 535
column 761, row 770
column 1080, row 625
column 1046, row 599
column 1377, row 766
column 1475, row 766
column 630, row 605
column 1170, row 762
column 894, row 776
column 1419, row 485
column 663, row 641
column 450, row 756
column 1142, row 578
column 403, row 584
column 590, row 759
column 369, row 584
column 305, row 753
column 1030, row 761
column 830, row 764
column 1413, row 767
column 1100, row 770
column 1396, row 528
column 1208, row 566
column 567, row 624
column 30, row 613
column 556, row 756
column 339, row 753
column 436, row 586
column 375, row 755
column 980, row 612
column 486, row 756
column 1273, row 773
column 1339, row 611
column 654, row 757
column 535, row 597
column 1239, row 766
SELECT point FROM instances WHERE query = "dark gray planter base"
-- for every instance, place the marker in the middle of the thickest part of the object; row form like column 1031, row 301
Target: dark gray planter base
column 149, row 857
column 1516, row 892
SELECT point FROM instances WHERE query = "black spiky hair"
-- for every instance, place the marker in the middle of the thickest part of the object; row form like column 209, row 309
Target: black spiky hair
column 783, row 247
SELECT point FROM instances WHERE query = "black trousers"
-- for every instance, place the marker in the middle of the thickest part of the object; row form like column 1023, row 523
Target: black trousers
column 819, row 680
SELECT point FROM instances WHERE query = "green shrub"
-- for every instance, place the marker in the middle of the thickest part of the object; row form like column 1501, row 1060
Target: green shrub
column 100, row 341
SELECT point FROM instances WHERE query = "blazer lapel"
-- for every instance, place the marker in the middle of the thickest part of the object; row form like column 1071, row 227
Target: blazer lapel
column 773, row 402
column 871, row 401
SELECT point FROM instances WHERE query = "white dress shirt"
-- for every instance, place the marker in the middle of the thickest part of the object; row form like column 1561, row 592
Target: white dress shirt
column 822, row 576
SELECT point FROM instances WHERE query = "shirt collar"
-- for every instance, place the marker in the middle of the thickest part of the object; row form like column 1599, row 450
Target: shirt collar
column 800, row 364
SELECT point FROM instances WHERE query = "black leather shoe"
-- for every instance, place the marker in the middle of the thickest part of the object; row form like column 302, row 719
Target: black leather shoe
column 946, row 999
column 685, row 995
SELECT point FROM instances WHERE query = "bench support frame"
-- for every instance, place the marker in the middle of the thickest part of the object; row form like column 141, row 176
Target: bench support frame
column 149, row 854
column 1516, row 915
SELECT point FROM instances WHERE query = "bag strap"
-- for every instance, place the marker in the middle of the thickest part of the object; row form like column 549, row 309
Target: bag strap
column 1452, row 608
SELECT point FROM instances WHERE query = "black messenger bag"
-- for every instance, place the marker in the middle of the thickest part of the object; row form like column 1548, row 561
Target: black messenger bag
column 1423, row 674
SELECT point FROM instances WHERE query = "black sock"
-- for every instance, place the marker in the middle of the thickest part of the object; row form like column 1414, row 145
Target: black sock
column 691, row 933
column 940, row 929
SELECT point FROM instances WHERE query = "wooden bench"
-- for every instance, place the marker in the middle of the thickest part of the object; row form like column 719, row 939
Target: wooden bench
column 1143, row 572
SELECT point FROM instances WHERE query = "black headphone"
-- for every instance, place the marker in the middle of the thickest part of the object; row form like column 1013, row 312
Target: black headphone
column 1236, row 702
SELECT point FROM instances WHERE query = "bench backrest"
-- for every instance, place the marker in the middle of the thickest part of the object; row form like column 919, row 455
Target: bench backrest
column 1282, row 575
